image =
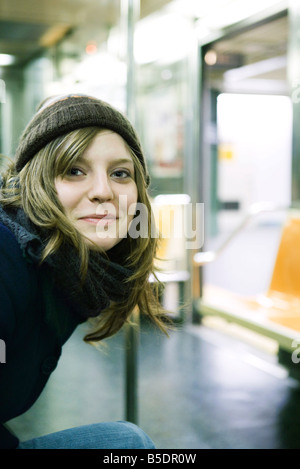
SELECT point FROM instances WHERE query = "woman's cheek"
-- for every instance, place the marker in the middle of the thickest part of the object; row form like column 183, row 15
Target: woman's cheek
column 66, row 195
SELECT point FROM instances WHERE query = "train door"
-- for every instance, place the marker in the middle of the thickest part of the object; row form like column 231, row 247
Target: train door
column 247, row 141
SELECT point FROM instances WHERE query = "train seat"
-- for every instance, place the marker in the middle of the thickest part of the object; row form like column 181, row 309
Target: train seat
column 276, row 312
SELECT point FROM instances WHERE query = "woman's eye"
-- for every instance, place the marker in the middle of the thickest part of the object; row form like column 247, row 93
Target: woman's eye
column 75, row 172
column 121, row 173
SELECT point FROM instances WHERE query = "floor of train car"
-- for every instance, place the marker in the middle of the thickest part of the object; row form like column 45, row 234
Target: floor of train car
column 198, row 389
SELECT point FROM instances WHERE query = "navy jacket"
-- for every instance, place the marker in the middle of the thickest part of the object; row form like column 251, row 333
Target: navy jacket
column 34, row 324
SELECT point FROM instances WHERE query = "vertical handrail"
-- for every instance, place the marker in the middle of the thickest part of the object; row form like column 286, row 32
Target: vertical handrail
column 132, row 336
column 130, row 13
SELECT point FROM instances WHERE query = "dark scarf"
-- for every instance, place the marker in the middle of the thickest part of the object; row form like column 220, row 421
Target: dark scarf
column 105, row 279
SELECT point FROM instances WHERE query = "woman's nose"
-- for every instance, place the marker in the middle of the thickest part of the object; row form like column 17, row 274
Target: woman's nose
column 100, row 188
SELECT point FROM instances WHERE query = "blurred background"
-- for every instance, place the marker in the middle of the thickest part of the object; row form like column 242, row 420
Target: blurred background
column 213, row 88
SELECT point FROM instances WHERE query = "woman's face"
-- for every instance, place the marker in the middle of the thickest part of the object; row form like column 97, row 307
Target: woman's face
column 99, row 193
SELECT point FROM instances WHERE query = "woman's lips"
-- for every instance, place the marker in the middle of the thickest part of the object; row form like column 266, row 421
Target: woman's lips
column 101, row 219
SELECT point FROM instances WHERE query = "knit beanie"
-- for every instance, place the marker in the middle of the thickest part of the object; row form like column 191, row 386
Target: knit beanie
column 60, row 115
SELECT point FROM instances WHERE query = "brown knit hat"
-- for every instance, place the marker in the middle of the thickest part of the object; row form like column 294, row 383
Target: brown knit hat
column 60, row 115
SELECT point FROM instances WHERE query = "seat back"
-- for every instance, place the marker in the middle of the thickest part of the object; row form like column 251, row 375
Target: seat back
column 169, row 218
column 285, row 281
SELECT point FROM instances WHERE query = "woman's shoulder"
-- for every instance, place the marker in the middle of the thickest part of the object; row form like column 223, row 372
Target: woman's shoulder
column 9, row 246
column 15, row 273
column 5, row 232
column 15, row 276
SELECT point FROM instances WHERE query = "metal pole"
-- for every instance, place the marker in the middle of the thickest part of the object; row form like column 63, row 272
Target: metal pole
column 293, row 69
column 130, row 12
column 131, row 364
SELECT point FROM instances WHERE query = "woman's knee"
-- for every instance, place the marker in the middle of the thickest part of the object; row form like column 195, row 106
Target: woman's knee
column 108, row 435
column 136, row 437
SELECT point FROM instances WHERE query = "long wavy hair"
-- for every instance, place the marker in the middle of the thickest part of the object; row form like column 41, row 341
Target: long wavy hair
column 33, row 189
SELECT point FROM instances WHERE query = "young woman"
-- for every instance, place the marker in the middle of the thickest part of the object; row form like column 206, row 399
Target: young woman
column 69, row 253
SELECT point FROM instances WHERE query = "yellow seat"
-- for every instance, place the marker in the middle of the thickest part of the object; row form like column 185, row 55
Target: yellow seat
column 171, row 262
column 284, row 290
column 276, row 313
column 169, row 219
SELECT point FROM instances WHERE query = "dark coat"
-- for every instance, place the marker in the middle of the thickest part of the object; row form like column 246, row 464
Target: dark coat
column 34, row 324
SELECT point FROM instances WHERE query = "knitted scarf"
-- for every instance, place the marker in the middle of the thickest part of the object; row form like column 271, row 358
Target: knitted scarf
column 105, row 280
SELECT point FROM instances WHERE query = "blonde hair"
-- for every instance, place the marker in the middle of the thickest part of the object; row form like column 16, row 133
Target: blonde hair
column 33, row 189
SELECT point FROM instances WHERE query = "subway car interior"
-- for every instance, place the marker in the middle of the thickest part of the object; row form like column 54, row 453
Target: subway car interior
column 213, row 88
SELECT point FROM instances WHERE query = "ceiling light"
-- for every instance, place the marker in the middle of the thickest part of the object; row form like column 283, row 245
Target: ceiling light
column 211, row 57
column 169, row 44
column 6, row 59
column 91, row 48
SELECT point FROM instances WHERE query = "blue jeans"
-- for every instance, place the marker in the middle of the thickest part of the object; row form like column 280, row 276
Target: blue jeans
column 110, row 435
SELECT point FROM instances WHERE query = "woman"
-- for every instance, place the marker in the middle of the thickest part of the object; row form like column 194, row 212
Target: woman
column 69, row 253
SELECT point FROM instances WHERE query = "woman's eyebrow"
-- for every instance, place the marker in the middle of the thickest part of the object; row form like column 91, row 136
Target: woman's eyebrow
column 112, row 162
column 122, row 161
column 81, row 159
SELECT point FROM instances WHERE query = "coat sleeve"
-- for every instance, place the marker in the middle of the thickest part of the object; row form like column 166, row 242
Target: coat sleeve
column 7, row 439
column 13, row 280
column 8, row 274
